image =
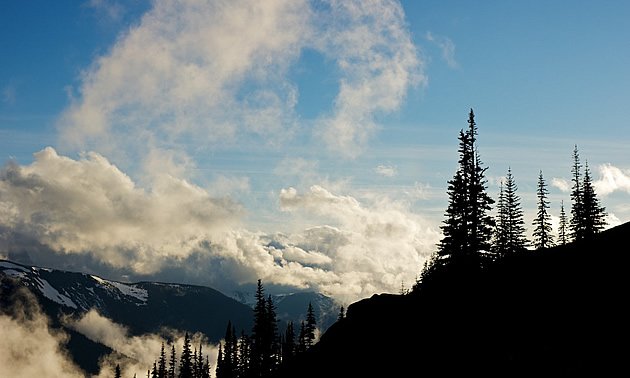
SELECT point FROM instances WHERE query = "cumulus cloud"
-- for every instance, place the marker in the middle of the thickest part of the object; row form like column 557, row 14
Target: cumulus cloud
column 213, row 71
column 612, row 179
column 30, row 347
column 373, row 248
column 89, row 208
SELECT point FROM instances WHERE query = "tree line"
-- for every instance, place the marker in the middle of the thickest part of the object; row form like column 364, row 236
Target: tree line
column 258, row 355
column 261, row 353
column 473, row 236
column 192, row 363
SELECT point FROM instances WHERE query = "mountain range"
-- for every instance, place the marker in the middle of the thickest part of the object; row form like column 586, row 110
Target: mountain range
column 144, row 307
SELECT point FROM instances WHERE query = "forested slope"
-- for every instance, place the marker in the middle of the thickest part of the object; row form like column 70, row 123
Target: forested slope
column 553, row 311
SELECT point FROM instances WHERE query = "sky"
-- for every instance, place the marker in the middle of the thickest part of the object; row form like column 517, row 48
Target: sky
column 305, row 143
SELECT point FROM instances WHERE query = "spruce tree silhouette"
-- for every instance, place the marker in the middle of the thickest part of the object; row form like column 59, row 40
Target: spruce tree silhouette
column 594, row 214
column 543, row 237
column 468, row 227
column 514, row 226
column 563, row 227
column 588, row 217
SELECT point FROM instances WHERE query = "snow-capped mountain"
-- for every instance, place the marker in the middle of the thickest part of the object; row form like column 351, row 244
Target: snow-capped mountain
column 74, row 290
column 143, row 307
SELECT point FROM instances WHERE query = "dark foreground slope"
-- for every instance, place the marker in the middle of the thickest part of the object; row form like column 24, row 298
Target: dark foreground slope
column 560, row 311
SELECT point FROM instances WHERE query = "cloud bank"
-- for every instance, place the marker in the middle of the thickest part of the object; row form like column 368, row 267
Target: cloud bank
column 88, row 207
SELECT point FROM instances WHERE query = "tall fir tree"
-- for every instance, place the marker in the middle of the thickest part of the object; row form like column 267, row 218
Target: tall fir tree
column 576, row 225
column 185, row 362
column 244, row 353
column 172, row 364
column 500, row 238
column 288, row 343
column 117, row 371
column 588, row 217
column 311, row 327
column 265, row 347
column 301, row 339
column 219, row 370
column 468, row 227
column 543, row 237
column 227, row 364
column 259, row 332
column 273, row 336
column 515, row 225
column 563, row 227
column 162, row 370
column 594, row 215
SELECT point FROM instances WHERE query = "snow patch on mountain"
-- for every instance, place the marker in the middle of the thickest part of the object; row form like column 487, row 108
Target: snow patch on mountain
column 142, row 295
column 51, row 293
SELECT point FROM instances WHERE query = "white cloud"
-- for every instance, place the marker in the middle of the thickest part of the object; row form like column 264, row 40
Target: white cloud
column 561, row 184
column 447, row 47
column 191, row 72
column 612, row 179
column 373, row 49
column 372, row 248
column 387, row 171
column 205, row 72
column 89, row 208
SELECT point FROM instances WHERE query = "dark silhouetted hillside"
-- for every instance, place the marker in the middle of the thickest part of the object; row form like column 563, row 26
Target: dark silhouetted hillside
column 559, row 311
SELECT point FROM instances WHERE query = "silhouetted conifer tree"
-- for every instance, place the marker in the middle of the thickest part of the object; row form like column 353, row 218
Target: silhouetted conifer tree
column 468, row 228
column 543, row 237
column 301, row 340
column 273, row 335
column 154, row 370
column 288, row 343
column 577, row 207
column 186, row 361
column 244, row 353
column 117, row 371
column 219, row 370
column 172, row 363
column 311, row 326
column 563, row 227
column 265, row 348
column 500, row 238
column 515, row 225
column 594, row 214
column 587, row 216
column 227, row 363
column 162, row 370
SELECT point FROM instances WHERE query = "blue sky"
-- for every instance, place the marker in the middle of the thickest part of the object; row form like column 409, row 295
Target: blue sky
column 307, row 143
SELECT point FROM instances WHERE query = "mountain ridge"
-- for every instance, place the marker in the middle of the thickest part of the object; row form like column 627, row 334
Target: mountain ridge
column 142, row 307
column 554, row 311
